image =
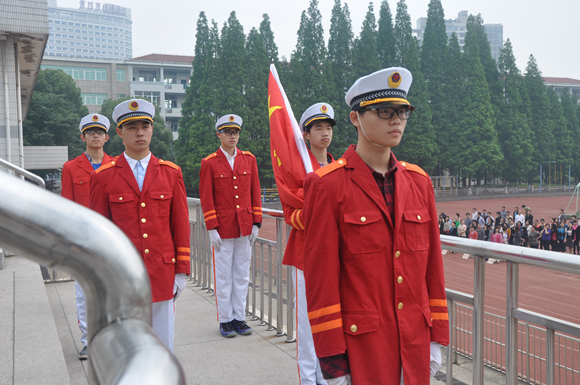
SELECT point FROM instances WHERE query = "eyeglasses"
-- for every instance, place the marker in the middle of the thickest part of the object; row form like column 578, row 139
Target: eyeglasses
column 403, row 113
column 231, row 133
column 93, row 132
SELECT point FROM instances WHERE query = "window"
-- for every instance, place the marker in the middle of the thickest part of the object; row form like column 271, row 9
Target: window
column 120, row 75
column 120, row 96
column 93, row 99
column 155, row 97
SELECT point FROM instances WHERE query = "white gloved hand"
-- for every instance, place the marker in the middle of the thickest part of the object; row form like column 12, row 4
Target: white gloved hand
column 215, row 239
column 178, row 285
column 254, row 234
column 344, row 380
column 435, row 363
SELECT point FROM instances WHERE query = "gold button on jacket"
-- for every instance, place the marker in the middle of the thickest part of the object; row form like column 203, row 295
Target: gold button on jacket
column 145, row 235
column 353, row 328
column 400, row 306
column 397, row 254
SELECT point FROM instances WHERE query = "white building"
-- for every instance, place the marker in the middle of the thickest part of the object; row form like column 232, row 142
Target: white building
column 92, row 31
column 160, row 78
column 559, row 84
column 494, row 32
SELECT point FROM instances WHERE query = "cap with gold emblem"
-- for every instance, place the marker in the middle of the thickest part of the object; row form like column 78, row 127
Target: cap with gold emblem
column 94, row 121
column 388, row 86
column 318, row 111
column 228, row 121
column 134, row 109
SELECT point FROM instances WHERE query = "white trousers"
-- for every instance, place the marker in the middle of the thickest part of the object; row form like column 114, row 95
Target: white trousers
column 231, row 268
column 81, row 312
column 163, row 321
column 308, row 364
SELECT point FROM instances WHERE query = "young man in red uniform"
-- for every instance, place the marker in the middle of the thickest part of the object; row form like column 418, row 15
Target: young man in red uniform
column 317, row 124
column 76, row 176
column 229, row 189
column 145, row 197
column 372, row 257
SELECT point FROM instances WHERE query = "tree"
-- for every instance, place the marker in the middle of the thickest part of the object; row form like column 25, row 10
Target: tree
column 198, row 121
column 268, row 39
column 513, row 129
column 418, row 144
column 541, row 125
column 340, row 64
column 365, row 58
column 569, row 103
column 161, row 142
column 434, row 59
column 480, row 152
column 385, row 36
column 55, row 112
column 255, row 136
column 562, row 136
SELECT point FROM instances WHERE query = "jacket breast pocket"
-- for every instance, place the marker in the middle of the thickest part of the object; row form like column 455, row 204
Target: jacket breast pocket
column 365, row 230
column 416, row 225
column 245, row 177
column 222, row 181
column 161, row 203
column 81, row 186
column 123, row 206
column 357, row 323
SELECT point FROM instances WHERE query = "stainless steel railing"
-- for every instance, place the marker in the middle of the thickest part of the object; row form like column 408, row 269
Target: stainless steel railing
column 59, row 233
column 271, row 294
column 514, row 256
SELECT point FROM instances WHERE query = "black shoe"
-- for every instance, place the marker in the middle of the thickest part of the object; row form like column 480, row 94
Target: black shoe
column 242, row 328
column 83, row 355
column 227, row 329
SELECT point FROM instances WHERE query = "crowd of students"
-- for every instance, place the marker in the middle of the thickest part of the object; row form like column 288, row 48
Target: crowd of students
column 518, row 228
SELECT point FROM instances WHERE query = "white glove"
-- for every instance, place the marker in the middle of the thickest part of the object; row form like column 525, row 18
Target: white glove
column 435, row 357
column 215, row 239
column 344, row 380
column 254, row 235
column 178, row 285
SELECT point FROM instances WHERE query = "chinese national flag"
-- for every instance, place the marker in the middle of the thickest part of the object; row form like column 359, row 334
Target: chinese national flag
column 291, row 159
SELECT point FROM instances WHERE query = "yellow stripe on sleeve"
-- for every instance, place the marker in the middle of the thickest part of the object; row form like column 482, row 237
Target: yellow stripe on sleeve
column 324, row 311
column 337, row 323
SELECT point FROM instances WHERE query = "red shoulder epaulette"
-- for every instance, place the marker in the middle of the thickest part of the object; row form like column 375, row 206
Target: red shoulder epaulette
column 210, row 156
column 168, row 163
column 414, row 168
column 106, row 166
column 247, row 153
column 331, row 167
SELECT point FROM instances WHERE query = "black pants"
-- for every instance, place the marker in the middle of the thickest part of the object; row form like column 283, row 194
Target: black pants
column 576, row 247
column 544, row 244
column 534, row 246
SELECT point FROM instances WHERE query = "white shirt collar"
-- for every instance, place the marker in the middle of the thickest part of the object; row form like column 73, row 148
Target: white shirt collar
column 230, row 159
column 132, row 162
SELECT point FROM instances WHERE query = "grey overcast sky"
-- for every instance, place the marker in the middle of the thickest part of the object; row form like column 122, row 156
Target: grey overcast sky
column 548, row 30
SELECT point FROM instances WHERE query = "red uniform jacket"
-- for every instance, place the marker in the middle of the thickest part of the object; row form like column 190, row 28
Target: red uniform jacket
column 374, row 290
column 155, row 219
column 76, row 177
column 230, row 200
column 294, row 252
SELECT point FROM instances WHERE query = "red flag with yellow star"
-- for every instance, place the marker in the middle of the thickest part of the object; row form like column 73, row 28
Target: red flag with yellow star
column 291, row 158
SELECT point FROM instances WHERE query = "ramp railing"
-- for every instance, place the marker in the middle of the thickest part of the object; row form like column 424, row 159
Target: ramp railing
column 515, row 341
column 58, row 233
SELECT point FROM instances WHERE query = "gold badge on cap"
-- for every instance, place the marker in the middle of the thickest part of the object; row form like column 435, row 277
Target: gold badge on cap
column 95, row 118
column 232, row 118
column 134, row 106
column 324, row 109
column 395, row 80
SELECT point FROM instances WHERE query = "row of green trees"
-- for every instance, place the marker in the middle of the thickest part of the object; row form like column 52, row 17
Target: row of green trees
column 476, row 117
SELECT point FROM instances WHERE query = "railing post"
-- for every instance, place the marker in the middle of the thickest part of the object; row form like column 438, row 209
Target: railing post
column 270, row 310
column 550, row 356
column 478, row 318
column 279, row 294
column 289, row 307
column 449, row 369
column 511, row 324
column 262, row 318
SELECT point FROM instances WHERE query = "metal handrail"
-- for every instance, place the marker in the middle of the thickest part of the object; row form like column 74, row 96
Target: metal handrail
column 514, row 256
column 59, row 233
column 35, row 178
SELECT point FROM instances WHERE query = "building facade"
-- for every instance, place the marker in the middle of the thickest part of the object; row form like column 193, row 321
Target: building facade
column 93, row 31
column 23, row 37
column 159, row 78
column 494, row 32
column 559, row 84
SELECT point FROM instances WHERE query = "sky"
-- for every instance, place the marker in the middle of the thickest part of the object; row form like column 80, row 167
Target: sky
column 547, row 30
